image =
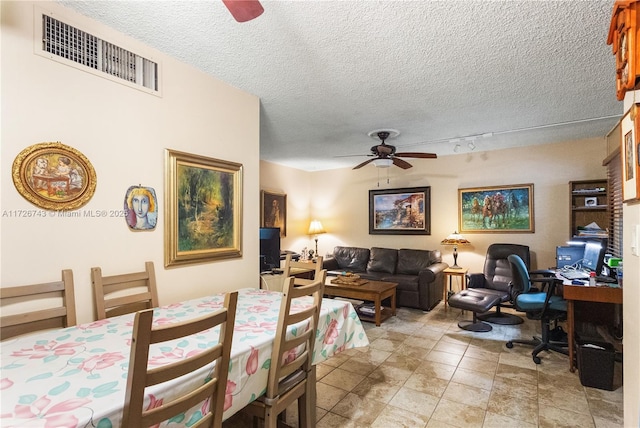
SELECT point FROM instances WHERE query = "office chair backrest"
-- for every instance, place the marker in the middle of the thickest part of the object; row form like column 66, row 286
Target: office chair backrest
column 497, row 269
column 521, row 281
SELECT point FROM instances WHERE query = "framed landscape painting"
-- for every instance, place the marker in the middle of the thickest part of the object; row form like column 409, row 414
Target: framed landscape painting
column 203, row 209
column 405, row 211
column 496, row 209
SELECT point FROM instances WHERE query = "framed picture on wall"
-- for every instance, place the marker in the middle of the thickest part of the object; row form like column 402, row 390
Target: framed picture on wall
column 405, row 211
column 496, row 209
column 274, row 211
column 54, row 176
column 629, row 153
column 203, row 209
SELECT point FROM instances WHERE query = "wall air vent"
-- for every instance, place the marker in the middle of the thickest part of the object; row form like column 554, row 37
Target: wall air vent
column 61, row 40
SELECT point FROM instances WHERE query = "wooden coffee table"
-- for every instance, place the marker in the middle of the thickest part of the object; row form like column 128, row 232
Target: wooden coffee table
column 374, row 291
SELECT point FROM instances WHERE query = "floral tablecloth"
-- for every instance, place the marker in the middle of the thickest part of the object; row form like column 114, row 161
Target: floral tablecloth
column 76, row 377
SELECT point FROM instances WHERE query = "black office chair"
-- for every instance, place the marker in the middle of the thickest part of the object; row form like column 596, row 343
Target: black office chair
column 495, row 279
column 542, row 305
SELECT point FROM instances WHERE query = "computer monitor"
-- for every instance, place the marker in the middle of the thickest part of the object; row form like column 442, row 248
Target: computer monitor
column 569, row 255
column 269, row 248
column 593, row 257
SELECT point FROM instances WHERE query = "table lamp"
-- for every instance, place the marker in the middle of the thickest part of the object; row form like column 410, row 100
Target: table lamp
column 455, row 239
column 315, row 228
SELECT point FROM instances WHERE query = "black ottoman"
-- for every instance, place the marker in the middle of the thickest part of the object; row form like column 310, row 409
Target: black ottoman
column 476, row 302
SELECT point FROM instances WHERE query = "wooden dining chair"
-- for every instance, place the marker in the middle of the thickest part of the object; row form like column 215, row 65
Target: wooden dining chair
column 291, row 265
column 291, row 374
column 213, row 388
column 109, row 291
column 39, row 319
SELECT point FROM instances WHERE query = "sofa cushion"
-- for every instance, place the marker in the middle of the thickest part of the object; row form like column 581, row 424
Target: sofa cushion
column 383, row 260
column 411, row 262
column 405, row 282
column 351, row 259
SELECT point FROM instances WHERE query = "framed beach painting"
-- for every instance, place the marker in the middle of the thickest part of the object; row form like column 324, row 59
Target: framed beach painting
column 203, row 209
column 496, row 209
column 54, row 176
column 404, row 211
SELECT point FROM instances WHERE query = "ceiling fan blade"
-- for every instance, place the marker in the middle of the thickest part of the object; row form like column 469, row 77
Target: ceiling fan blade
column 244, row 10
column 417, row 155
column 364, row 163
column 401, row 163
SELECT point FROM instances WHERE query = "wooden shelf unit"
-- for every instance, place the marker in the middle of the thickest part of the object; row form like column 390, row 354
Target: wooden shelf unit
column 582, row 213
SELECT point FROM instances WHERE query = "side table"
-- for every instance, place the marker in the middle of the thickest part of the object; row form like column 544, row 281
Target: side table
column 450, row 273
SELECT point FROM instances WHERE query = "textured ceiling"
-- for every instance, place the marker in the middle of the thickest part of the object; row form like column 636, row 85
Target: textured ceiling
column 328, row 72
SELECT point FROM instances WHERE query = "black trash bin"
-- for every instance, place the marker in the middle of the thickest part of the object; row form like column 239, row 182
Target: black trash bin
column 596, row 362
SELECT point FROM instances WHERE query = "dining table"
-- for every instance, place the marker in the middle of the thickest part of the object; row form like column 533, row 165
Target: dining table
column 77, row 376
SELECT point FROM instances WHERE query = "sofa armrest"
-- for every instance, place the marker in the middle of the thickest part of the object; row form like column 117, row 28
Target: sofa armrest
column 330, row 264
column 429, row 274
column 476, row 280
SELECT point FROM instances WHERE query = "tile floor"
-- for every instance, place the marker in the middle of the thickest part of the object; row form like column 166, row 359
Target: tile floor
column 421, row 370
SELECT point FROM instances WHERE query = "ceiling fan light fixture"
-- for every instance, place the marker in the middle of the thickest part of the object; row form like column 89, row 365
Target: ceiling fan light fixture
column 382, row 163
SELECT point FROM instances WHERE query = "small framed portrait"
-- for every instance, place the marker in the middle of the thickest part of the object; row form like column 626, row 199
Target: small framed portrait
column 54, row 176
column 141, row 208
column 274, row 211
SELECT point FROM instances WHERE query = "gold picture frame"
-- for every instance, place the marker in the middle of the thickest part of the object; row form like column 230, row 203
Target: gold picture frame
column 203, row 209
column 630, row 156
column 54, row 176
column 496, row 209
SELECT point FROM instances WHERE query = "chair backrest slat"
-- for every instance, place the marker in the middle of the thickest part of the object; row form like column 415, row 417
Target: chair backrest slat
column 290, row 266
column 282, row 363
column 140, row 376
column 40, row 319
column 104, row 286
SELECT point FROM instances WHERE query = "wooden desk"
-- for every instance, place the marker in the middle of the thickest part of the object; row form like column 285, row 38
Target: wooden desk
column 450, row 273
column 573, row 293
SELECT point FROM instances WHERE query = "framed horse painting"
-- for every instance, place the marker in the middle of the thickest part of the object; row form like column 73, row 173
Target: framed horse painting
column 496, row 209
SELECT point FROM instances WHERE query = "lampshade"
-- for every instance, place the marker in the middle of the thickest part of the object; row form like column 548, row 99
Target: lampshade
column 315, row 228
column 455, row 239
column 383, row 163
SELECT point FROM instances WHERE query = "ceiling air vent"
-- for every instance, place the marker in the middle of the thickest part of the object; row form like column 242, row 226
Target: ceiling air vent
column 72, row 44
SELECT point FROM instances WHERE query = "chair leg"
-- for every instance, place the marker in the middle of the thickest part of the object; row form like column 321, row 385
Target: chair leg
column 498, row 317
column 475, row 325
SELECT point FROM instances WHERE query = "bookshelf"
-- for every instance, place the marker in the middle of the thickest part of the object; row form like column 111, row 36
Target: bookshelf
column 589, row 204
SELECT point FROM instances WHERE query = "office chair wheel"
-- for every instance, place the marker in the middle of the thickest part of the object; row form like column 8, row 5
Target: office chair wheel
column 536, row 359
column 509, row 344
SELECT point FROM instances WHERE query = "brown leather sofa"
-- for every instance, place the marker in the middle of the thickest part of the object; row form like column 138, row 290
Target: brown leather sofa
column 418, row 273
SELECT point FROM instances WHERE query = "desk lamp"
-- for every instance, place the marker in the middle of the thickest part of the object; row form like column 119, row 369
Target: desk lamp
column 315, row 228
column 455, row 239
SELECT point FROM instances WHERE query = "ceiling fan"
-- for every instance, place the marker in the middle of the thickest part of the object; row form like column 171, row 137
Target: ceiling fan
column 244, row 10
column 385, row 154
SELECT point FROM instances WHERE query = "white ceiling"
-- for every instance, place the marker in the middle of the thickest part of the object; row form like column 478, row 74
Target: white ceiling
column 328, row 72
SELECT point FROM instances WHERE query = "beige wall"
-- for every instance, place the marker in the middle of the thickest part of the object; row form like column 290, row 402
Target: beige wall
column 124, row 133
column 631, row 297
column 341, row 198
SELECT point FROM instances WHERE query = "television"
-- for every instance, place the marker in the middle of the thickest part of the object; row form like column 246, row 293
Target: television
column 593, row 257
column 269, row 248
